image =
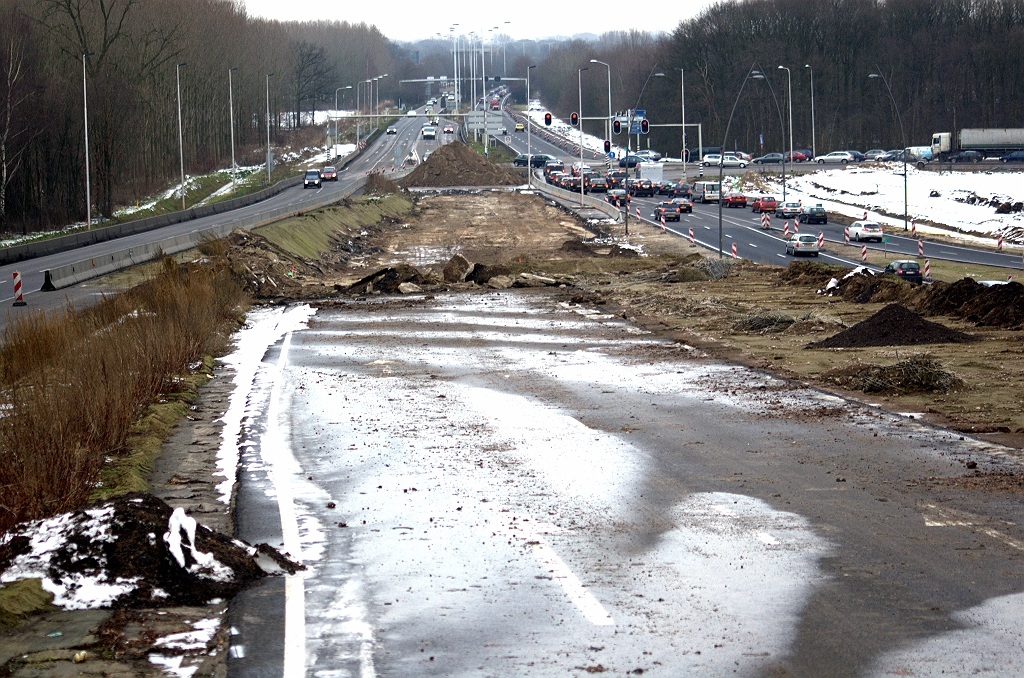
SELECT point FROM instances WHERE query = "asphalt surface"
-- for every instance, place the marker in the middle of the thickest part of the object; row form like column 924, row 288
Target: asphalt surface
column 743, row 227
column 381, row 155
column 500, row 485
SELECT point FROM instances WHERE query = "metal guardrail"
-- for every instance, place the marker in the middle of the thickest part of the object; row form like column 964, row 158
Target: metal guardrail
column 588, row 201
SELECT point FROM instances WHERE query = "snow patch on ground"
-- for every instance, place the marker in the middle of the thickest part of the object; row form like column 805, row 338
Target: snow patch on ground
column 75, row 591
column 878, row 190
column 197, row 639
column 264, row 328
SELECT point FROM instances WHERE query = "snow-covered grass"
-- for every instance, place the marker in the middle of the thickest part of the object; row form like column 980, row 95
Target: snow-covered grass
column 939, row 202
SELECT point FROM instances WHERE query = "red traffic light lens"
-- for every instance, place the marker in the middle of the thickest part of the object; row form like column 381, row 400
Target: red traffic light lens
column 645, row 127
column 617, row 127
column 547, row 119
column 574, row 119
column 607, row 147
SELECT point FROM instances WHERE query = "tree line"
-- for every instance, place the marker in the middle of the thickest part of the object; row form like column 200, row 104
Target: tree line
column 134, row 48
column 950, row 64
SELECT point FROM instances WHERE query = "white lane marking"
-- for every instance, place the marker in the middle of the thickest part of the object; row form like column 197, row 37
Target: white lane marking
column 780, row 255
column 951, row 518
column 294, row 585
column 530, row 531
column 767, row 539
column 752, row 244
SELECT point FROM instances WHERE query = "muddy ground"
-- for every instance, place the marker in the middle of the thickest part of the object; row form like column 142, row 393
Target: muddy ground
column 528, row 234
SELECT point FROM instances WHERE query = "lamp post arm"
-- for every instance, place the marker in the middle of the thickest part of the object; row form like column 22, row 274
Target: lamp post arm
column 721, row 163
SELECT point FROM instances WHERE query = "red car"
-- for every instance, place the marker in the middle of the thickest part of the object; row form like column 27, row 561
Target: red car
column 734, row 199
column 797, row 157
column 764, row 203
column 329, row 174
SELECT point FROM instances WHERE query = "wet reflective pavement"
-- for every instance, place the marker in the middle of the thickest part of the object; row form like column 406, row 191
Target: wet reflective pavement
column 503, row 485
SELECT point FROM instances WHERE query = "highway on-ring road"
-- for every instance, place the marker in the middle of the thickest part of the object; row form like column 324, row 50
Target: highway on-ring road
column 379, row 156
column 742, row 227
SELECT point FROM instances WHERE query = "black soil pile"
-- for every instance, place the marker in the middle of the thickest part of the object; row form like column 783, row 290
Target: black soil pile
column 456, row 164
column 894, row 325
column 995, row 306
column 125, row 540
column 880, row 289
column 811, row 273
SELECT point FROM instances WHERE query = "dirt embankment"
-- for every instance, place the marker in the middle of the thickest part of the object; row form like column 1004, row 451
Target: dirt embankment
column 456, row 164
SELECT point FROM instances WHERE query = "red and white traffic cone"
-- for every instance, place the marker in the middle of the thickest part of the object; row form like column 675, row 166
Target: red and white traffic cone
column 766, row 221
column 19, row 298
column 821, row 239
column 865, row 216
column 913, row 229
column 734, row 251
column 846, row 234
column 785, row 229
column 927, row 268
column 1009, row 278
column 796, row 225
column 999, row 245
column 920, row 248
column 663, row 223
column 692, row 240
column 637, row 212
column 863, row 253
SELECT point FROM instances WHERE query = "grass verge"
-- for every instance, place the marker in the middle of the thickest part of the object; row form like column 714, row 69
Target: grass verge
column 310, row 235
column 498, row 155
column 74, row 385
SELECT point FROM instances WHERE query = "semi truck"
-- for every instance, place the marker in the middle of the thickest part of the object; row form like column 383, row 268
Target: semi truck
column 987, row 141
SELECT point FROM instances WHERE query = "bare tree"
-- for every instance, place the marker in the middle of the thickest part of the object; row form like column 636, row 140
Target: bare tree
column 15, row 93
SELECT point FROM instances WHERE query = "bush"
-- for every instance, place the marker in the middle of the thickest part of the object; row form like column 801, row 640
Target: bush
column 72, row 383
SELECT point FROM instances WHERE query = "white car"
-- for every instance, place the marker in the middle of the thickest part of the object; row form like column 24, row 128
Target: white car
column 836, row 157
column 865, row 230
column 728, row 161
column 802, row 244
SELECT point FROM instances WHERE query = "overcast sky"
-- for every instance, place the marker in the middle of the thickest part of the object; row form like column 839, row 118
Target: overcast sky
column 403, row 20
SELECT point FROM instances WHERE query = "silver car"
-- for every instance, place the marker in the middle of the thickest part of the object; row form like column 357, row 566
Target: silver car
column 836, row 157
column 728, row 161
column 802, row 244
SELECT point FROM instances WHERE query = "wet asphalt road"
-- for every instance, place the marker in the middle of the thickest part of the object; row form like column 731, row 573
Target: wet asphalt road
column 500, row 485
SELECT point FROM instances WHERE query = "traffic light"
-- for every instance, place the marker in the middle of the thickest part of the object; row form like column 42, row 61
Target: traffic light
column 645, row 127
column 617, row 127
column 497, row 78
column 607, row 147
column 574, row 119
column 547, row 119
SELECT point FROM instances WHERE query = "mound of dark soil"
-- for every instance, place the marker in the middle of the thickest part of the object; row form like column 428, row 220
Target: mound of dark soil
column 894, row 325
column 865, row 289
column 120, row 553
column 812, row 273
column 456, row 164
column 996, row 306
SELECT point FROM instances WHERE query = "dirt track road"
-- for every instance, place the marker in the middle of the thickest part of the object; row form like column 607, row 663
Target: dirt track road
column 506, row 484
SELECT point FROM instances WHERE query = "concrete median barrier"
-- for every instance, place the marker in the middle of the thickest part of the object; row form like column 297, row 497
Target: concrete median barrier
column 588, row 201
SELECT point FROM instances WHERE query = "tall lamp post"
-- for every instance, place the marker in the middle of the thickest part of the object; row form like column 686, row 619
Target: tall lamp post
column 529, row 138
column 814, row 144
column 789, row 77
column 902, row 134
column 608, row 125
column 504, row 54
column 725, row 140
column 758, row 75
column 579, row 82
column 682, row 100
column 629, row 127
column 455, row 63
column 269, row 75
column 336, row 135
column 85, row 110
column 181, row 146
column 231, row 107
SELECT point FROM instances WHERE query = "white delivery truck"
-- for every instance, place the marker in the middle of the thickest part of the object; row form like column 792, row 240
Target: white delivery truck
column 706, row 191
column 652, row 171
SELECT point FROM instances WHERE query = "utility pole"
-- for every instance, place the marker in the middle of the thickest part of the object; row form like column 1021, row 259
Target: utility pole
column 529, row 138
column 88, row 190
column 579, row 78
column 181, row 146
column 814, row 144
column 268, row 128
column 231, row 107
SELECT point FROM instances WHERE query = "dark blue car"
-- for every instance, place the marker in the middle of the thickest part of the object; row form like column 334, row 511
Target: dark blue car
column 1016, row 156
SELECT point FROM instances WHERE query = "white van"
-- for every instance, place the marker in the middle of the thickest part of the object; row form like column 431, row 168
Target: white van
column 706, row 191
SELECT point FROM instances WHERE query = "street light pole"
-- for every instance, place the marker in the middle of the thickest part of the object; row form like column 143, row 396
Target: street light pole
column 504, row 54
column 579, row 81
column 336, row 135
column 529, row 138
column 790, row 79
column 231, row 106
column 682, row 99
column 181, row 146
column 721, row 164
column 814, row 144
column 903, row 134
column 758, row 75
column 85, row 110
column 608, row 124
column 268, row 127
